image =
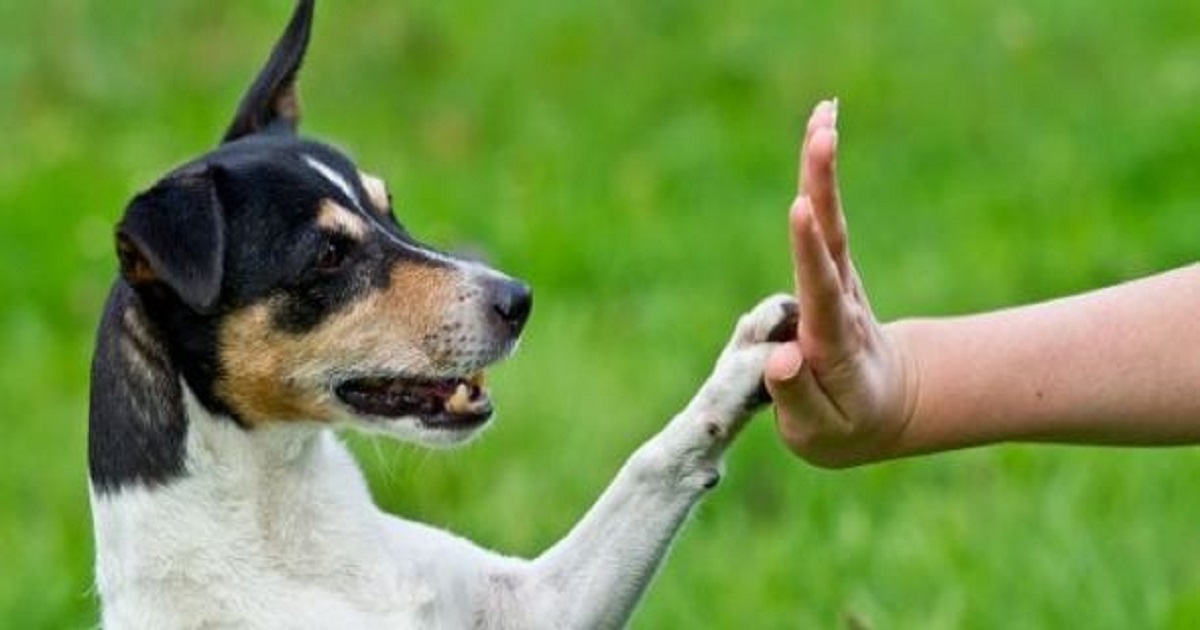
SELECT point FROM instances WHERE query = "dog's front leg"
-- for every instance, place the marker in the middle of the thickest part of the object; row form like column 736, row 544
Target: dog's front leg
column 594, row 577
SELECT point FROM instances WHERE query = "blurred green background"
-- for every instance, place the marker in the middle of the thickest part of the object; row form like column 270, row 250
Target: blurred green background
column 634, row 161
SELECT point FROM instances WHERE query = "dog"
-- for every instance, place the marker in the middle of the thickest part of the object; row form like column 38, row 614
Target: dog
column 268, row 295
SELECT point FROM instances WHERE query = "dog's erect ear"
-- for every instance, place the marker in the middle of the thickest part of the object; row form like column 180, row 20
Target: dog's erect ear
column 174, row 234
column 272, row 103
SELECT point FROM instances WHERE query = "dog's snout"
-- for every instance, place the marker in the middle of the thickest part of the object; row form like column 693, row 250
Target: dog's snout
column 511, row 301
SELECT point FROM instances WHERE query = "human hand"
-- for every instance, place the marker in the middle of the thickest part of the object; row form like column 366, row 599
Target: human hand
column 842, row 390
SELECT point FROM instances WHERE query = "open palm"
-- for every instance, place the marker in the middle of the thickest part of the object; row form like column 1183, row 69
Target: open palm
column 841, row 390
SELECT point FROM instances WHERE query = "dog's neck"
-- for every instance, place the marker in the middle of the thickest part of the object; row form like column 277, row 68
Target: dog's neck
column 249, row 461
column 266, row 492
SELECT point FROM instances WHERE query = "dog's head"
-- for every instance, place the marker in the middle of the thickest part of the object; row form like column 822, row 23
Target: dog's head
column 289, row 291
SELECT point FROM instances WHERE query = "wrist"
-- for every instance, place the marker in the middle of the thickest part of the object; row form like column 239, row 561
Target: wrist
column 900, row 340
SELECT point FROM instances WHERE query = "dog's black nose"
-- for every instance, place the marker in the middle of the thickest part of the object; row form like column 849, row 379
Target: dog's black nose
column 512, row 300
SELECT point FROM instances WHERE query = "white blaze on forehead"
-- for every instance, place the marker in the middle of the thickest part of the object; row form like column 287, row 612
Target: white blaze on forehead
column 340, row 182
column 334, row 178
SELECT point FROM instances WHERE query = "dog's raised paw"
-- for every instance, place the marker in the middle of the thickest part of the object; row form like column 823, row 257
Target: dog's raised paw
column 784, row 312
column 738, row 374
column 772, row 320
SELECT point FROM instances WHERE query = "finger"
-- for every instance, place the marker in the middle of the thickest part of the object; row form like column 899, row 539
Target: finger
column 820, row 176
column 818, row 287
column 803, row 411
column 823, row 115
column 784, row 364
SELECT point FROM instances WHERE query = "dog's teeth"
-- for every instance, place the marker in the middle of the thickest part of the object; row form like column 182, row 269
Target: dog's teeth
column 460, row 402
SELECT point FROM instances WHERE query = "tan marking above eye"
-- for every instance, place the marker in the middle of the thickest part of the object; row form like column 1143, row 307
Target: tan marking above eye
column 377, row 192
column 334, row 217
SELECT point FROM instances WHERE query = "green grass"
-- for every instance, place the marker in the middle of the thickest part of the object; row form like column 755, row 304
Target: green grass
column 634, row 161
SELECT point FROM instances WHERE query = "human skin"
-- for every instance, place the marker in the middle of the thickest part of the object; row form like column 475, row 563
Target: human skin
column 1115, row 366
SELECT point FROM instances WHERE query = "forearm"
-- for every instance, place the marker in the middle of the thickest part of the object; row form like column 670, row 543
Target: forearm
column 1115, row 366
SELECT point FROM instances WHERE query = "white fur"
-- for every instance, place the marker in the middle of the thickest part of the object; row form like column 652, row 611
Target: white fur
column 339, row 182
column 274, row 528
column 334, row 178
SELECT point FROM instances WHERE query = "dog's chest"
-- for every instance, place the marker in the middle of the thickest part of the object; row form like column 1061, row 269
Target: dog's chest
column 258, row 546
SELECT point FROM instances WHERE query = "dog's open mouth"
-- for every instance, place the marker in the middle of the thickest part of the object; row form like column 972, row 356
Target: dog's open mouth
column 451, row 403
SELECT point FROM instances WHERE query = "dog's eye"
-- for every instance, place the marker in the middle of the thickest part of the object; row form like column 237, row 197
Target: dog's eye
column 333, row 253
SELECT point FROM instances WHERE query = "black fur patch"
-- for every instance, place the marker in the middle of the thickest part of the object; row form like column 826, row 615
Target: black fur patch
column 137, row 424
column 272, row 102
column 785, row 329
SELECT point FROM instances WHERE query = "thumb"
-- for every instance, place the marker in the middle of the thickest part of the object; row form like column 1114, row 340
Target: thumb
column 798, row 400
column 802, row 409
column 783, row 366
column 790, row 384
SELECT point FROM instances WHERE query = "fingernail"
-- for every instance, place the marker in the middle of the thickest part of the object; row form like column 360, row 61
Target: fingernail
column 834, row 111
